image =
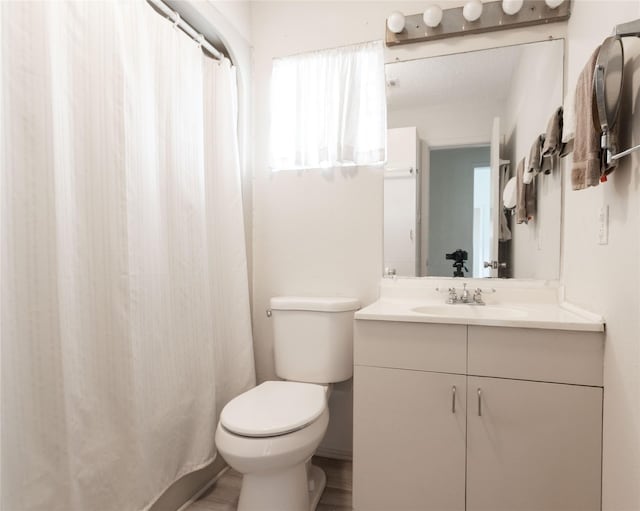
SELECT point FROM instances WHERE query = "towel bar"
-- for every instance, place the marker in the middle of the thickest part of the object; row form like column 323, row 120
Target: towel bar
column 619, row 155
column 395, row 172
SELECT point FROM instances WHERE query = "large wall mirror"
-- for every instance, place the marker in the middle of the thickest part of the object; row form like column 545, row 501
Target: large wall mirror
column 457, row 127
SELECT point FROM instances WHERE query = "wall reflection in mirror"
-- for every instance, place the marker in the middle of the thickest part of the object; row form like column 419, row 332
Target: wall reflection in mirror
column 457, row 127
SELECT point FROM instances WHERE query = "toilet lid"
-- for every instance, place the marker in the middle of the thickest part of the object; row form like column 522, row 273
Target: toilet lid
column 274, row 408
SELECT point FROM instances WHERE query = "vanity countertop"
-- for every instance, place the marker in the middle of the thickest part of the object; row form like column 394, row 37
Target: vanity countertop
column 551, row 316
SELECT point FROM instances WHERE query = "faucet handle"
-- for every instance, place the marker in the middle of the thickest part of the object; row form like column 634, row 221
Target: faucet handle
column 453, row 297
column 477, row 295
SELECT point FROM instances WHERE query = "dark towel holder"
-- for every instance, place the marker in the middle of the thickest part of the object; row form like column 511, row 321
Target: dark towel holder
column 630, row 29
column 610, row 70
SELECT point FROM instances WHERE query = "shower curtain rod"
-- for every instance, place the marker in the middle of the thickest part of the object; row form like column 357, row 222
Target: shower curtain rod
column 188, row 29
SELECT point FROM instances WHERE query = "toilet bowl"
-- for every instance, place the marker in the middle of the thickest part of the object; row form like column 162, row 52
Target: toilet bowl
column 270, row 432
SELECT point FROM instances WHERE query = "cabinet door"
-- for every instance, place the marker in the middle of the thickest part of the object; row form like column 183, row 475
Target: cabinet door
column 533, row 446
column 409, row 442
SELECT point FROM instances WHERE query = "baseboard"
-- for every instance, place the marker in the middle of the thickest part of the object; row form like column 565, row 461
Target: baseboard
column 190, row 487
column 204, row 489
column 335, row 454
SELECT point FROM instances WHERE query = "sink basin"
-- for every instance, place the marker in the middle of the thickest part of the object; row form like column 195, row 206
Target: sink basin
column 471, row 311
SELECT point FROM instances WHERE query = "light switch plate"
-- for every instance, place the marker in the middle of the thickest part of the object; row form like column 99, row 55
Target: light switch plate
column 603, row 225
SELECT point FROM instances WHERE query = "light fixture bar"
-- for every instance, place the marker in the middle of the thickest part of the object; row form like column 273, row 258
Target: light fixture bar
column 493, row 18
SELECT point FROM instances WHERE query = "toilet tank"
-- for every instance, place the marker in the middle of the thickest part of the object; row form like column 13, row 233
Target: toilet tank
column 313, row 338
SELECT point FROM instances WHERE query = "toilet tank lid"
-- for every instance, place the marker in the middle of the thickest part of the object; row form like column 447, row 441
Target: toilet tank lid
column 308, row 303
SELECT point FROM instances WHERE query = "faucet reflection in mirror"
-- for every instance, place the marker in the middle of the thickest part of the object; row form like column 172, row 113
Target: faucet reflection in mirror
column 455, row 122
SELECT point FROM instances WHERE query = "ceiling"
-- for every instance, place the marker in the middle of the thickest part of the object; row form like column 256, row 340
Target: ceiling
column 463, row 77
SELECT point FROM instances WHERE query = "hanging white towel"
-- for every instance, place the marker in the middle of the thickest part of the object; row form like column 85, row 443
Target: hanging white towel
column 509, row 195
column 504, row 231
column 569, row 116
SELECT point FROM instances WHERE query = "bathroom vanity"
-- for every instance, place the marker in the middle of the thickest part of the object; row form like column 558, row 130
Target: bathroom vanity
column 478, row 408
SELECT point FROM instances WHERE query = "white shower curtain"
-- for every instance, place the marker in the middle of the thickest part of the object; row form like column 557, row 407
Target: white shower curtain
column 124, row 310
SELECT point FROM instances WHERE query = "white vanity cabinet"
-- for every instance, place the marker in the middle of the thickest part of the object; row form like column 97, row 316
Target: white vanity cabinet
column 532, row 446
column 403, row 462
column 524, row 435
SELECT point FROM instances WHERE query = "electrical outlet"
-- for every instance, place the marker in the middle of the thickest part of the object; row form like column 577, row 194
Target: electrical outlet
column 603, row 225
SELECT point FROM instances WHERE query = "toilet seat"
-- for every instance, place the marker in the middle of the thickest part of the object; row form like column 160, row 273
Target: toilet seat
column 274, row 408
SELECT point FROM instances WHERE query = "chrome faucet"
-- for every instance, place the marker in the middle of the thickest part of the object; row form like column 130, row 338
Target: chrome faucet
column 465, row 297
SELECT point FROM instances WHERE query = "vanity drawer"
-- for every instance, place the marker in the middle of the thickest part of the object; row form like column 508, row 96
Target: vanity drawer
column 419, row 346
column 534, row 354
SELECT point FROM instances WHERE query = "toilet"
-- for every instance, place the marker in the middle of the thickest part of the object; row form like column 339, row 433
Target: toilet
column 270, row 432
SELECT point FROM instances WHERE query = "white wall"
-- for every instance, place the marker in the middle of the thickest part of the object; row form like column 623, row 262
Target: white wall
column 314, row 232
column 606, row 278
column 536, row 93
column 238, row 15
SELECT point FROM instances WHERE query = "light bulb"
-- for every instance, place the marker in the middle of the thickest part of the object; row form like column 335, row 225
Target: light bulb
column 552, row 4
column 511, row 7
column 432, row 16
column 395, row 22
column 472, row 10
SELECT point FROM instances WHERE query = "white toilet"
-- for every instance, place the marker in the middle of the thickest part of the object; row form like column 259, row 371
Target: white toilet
column 270, row 432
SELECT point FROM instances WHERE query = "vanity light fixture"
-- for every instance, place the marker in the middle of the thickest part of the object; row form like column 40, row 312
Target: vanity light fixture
column 475, row 17
column 395, row 22
column 432, row 16
column 511, row 7
column 472, row 10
